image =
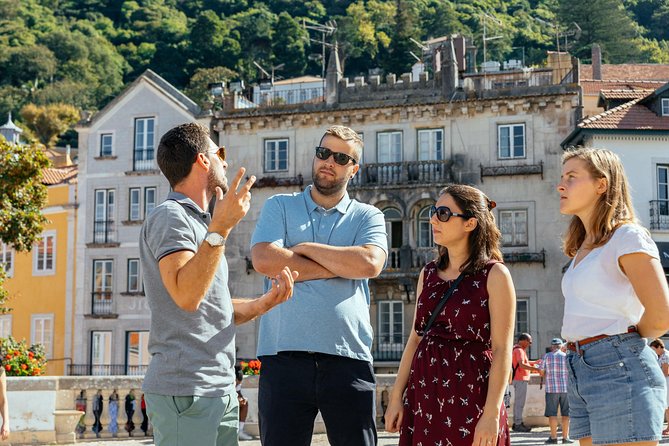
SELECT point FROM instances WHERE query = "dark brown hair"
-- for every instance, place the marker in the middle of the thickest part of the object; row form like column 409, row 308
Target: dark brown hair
column 484, row 241
column 178, row 149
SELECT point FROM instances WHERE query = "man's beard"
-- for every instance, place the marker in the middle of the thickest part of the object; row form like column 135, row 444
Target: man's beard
column 328, row 187
column 213, row 180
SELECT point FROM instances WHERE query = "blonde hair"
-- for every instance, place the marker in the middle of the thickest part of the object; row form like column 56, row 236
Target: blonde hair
column 614, row 206
column 346, row 134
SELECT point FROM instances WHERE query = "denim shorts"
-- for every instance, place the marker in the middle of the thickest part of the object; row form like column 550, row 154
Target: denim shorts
column 553, row 400
column 616, row 390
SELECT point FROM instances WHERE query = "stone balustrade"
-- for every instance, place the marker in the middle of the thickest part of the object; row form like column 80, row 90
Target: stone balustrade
column 48, row 410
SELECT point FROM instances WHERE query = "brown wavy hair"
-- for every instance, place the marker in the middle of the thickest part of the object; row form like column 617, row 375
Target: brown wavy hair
column 613, row 208
column 484, row 241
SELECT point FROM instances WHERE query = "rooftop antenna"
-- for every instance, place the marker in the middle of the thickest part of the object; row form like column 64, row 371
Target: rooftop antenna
column 485, row 17
column 326, row 29
column 274, row 67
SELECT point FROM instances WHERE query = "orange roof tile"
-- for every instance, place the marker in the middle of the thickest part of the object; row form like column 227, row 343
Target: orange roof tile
column 593, row 87
column 52, row 176
column 629, row 71
column 624, row 94
column 628, row 116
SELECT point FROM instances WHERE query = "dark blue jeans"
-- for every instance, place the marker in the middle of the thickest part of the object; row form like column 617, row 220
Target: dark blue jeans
column 294, row 386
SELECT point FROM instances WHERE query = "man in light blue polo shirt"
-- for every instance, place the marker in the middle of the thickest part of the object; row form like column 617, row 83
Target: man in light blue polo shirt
column 315, row 348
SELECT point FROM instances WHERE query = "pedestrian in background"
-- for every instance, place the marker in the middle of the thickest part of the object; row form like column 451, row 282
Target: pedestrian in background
column 615, row 295
column 553, row 368
column 521, row 367
column 663, row 360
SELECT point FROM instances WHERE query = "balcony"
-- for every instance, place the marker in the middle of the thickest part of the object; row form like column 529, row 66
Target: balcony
column 102, row 304
column 659, row 215
column 402, row 174
column 510, row 170
column 104, row 232
column 388, row 347
column 106, row 370
column 526, row 257
column 407, row 260
column 143, row 160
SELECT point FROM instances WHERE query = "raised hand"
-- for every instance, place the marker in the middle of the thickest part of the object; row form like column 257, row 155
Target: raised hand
column 233, row 206
column 282, row 288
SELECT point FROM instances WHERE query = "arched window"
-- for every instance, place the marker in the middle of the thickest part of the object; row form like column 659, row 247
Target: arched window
column 394, row 230
column 424, row 229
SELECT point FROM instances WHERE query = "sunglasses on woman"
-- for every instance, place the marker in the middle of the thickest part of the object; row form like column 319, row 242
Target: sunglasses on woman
column 220, row 152
column 323, row 153
column 444, row 213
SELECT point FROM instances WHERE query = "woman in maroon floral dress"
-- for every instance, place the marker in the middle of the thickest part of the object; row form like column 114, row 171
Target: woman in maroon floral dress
column 451, row 380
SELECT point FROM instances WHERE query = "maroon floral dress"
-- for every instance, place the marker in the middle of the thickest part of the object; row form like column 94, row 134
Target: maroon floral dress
column 448, row 383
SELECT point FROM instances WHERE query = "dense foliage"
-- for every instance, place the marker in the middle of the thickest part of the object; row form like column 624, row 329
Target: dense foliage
column 82, row 52
column 18, row 359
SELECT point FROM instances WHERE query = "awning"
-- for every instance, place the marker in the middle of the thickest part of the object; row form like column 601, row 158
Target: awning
column 664, row 253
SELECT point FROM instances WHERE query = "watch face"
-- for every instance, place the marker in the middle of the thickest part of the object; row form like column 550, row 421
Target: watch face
column 215, row 239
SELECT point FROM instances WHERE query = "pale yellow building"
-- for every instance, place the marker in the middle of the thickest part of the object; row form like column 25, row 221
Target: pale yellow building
column 41, row 282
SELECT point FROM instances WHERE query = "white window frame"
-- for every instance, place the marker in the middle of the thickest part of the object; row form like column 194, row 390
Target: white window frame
column 423, row 218
column 514, row 214
column 665, row 106
column 136, row 275
column 140, row 354
column 272, row 147
column 663, row 190
column 389, row 147
column 7, row 259
column 430, row 144
column 40, row 264
column 512, row 134
column 145, row 141
column 101, row 352
column 522, row 308
column 135, row 204
column 104, row 146
column 149, row 205
column 5, row 325
column 41, row 332
column 390, row 338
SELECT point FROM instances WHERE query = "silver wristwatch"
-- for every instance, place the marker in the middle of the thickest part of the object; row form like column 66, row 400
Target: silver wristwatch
column 214, row 239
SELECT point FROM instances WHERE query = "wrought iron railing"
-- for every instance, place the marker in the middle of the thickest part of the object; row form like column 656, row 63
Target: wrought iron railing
column 102, row 303
column 513, row 169
column 106, row 369
column 409, row 259
column 526, row 257
column 388, row 347
column 402, row 173
column 143, row 160
column 104, row 231
column 659, row 214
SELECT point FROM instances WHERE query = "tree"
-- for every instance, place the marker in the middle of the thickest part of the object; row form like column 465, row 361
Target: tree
column 198, row 87
column 288, row 46
column 211, row 43
column 22, row 197
column 47, row 122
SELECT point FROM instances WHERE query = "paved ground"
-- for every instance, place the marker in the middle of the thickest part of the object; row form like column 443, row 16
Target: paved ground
column 536, row 437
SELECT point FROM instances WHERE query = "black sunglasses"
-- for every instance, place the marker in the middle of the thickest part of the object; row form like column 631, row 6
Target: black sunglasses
column 220, row 152
column 323, row 153
column 444, row 213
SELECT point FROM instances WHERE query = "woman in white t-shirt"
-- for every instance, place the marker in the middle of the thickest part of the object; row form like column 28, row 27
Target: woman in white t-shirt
column 615, row 294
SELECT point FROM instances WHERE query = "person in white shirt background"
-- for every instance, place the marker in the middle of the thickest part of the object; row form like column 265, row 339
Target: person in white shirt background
column 615, row 295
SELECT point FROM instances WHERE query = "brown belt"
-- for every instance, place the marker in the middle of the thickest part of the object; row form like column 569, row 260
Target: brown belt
column 572, row 345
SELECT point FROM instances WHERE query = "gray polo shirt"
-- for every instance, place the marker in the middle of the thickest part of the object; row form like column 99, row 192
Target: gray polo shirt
column 191, row 353
column 330, row 315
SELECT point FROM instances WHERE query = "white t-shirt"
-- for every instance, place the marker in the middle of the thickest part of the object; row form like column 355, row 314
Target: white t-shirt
column 599, row 299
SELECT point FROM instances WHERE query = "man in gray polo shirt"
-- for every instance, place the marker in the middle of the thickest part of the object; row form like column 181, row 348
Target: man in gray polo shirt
column 190, row 382
column 315, row 349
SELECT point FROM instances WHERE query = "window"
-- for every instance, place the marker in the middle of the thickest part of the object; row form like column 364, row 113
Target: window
column 522, row 316
column 513, row 225
column 431, row 145
column 424, row 229
column 663, row 189
column 135, row 204
column 44, row 255
column 133, row 276
column 391, row 316
column 149, row 200
column 511, row 141
column 41, row 332
column 665, row 106
column 137, row 352
column 102, row 286
column 5, row 325
column 106, row 144
column 144, row 143
column 276, row 155
column 7, row 259
column 394, row 231
column 101, row 342
column 389, row 147
column 105, row 205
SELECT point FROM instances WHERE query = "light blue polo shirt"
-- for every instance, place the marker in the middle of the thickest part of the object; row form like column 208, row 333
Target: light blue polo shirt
column 326, row 315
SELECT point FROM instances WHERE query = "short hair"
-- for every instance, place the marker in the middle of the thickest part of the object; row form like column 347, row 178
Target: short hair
column 178, row 149
column 657, row 342
column 524, row 337
column 346, row 134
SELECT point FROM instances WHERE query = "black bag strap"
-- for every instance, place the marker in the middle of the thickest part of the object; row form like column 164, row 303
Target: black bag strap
column 442, row 302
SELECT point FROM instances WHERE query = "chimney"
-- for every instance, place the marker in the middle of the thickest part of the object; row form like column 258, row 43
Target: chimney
column 332, row 76
column 449, row 69
column 596, row 62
